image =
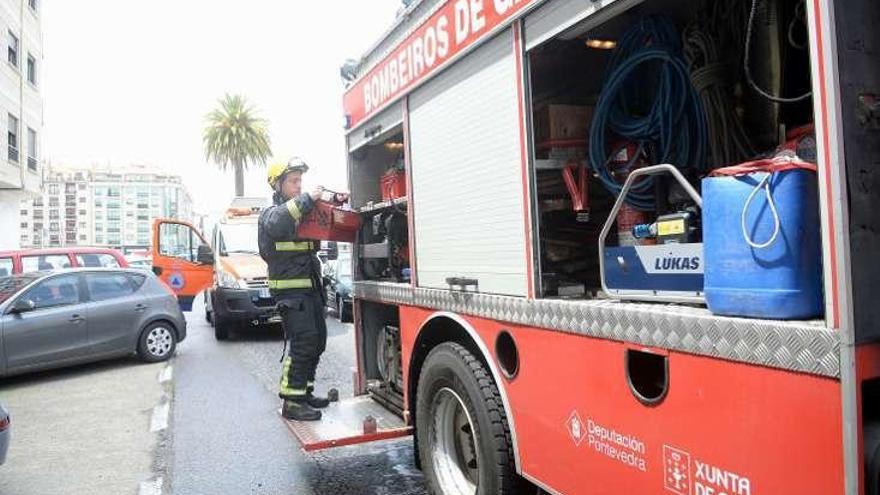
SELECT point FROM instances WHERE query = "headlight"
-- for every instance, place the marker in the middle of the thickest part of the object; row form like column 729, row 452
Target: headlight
column 227, row 280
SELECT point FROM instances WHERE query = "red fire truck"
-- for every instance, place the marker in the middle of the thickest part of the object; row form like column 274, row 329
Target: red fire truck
column 489, row 142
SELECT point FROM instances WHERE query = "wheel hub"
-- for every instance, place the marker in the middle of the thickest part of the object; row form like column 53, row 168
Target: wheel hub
column 455, row 456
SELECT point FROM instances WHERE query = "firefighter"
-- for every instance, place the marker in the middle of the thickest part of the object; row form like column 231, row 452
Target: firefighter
column 295, row 282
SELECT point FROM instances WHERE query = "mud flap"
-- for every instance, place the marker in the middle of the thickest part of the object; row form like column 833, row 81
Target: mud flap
column 348, row 422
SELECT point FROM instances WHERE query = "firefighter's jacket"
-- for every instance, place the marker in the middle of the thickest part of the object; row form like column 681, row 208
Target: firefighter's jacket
column 292, row 262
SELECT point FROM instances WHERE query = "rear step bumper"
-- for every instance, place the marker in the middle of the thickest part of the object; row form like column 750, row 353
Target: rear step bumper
column 343, row 423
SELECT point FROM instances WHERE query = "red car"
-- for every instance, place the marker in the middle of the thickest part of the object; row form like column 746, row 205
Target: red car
column 32, row 260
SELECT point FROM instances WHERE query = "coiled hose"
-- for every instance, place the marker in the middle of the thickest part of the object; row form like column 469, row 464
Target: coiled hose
column 670, row 125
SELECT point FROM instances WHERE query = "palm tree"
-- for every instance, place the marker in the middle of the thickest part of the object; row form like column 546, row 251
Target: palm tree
column 234, row 136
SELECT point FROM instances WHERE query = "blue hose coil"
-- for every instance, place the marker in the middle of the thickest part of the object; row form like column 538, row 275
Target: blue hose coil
column 672, row 127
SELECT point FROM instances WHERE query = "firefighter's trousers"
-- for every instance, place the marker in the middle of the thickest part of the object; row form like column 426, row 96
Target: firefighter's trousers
column 306, row 332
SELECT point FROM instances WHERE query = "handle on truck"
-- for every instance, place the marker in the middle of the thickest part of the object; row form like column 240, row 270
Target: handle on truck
column 612, row 217
column 464, row 283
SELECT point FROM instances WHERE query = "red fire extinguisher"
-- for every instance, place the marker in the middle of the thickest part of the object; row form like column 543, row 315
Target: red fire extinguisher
column 628, row 156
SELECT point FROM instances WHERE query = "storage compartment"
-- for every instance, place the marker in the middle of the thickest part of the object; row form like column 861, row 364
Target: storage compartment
column 379, row 195
column 380, row 354
column 655, row 82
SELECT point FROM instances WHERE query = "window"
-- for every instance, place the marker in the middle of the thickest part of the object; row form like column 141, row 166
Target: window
column 53, row 188
column 32, row 69
column 5, row 267
column 54, row 292
column 53, row 201
column 178, row 241
column 81, row 186
column 82, row 199
column 82, row 212
column 97, row 260
column 12, row 138
column 53, row 214
column 44, row 262
column 32, row 149
column 24, row 225
column 83, row 237
column 104, row 286
column 12, row 50
column 34, row 5
column 53, row 226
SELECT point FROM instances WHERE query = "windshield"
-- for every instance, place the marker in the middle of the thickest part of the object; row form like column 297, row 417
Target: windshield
column 239, row 238
column 9, row 286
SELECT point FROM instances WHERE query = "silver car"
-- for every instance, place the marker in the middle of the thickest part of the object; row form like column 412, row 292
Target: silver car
column 55, row 319
column 4, row 433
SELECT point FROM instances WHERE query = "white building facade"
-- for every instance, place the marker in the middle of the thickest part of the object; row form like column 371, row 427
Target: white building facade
column 102, row 206
column 21, row 112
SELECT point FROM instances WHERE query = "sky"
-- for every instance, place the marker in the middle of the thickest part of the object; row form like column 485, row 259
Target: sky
column 130, row 82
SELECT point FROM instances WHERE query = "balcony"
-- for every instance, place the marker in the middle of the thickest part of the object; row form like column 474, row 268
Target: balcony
column 13, row 154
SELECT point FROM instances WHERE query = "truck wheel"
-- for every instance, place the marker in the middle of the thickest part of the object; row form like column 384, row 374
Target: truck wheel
column 464, row 438
column 222, row 328
column 345, row 311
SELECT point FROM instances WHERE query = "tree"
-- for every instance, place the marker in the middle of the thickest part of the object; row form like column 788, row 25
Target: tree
column 236, row 137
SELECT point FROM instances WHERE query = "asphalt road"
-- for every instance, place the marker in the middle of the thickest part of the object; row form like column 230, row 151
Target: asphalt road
column 225, row 435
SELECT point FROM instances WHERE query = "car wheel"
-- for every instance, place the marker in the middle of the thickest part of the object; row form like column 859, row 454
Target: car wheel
column 157, row 342
column 464, row 439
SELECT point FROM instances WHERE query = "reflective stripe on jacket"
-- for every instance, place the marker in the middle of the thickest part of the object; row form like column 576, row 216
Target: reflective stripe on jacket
column 292, row 262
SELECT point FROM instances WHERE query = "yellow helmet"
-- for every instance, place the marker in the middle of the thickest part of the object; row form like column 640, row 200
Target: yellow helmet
column 277, row 170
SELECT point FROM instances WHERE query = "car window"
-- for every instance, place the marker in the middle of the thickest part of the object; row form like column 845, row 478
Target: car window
column 137, row 280
column 97, row 260
column 9, row 286
column 54, row 292
column 37, row 263
column 104, row 286
column 5, row 267
column 178, row 241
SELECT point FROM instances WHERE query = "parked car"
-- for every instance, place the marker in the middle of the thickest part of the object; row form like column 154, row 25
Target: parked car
column 55, row 319
column 338, row 286
column 140, row 262
column 5, row 426
column 32, row 260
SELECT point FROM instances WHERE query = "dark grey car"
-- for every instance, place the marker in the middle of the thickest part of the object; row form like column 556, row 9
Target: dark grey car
column 55, row 319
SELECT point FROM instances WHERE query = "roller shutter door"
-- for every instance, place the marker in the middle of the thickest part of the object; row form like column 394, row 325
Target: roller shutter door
column 467, row 175
column 380, row 126
column 555, row 16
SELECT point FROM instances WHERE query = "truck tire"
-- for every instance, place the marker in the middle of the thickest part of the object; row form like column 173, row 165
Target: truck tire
column 209, row 317
column 222, row 328
column 345, row 311
column 464, row 439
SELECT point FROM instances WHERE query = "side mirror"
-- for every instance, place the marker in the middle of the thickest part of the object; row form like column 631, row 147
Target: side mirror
column 205, row 255
column 23, row 306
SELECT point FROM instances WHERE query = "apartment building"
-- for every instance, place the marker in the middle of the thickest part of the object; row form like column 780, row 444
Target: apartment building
column 21, row 111
column 102, row 206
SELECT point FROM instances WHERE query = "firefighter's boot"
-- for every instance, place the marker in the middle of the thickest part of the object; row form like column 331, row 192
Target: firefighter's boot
column 316, row 401
column 299, row 410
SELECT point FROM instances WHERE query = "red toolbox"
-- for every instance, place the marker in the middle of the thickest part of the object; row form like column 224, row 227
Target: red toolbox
column 329, row 223
column 393, row 185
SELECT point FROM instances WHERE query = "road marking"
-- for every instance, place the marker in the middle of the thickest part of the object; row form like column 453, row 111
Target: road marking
column 151, row 487
column 159, row 420
column 166, row 374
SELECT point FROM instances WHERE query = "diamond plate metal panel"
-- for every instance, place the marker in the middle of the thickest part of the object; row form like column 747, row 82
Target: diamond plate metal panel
column 807, row 347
